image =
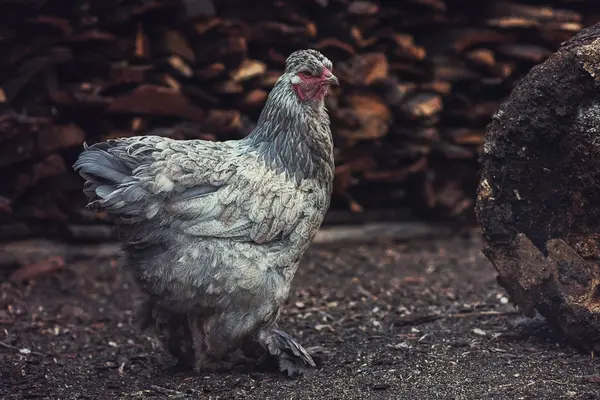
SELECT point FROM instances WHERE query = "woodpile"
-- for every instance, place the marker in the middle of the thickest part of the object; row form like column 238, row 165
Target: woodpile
column 420, row 81
column 539, row 200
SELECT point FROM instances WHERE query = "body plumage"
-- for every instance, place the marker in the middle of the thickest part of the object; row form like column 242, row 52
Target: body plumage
column 214, row 231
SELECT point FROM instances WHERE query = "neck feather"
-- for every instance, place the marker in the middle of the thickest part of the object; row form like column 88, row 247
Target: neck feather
column 293, row 136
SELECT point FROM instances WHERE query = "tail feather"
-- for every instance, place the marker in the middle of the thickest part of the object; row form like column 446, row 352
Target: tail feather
column 110, row 182
column 101, row 164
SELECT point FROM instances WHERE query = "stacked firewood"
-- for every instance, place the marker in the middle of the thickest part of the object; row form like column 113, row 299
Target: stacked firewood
column 420, row 82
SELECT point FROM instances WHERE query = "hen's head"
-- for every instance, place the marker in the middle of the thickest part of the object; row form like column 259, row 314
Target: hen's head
column 310, row 74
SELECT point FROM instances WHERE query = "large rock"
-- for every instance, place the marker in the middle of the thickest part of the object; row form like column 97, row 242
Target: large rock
column 538, row 200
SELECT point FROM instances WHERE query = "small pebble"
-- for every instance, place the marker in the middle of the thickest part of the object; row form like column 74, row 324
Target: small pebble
column 479, row 332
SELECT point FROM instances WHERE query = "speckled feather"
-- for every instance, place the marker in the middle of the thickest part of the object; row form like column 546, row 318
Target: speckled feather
column 215, row 230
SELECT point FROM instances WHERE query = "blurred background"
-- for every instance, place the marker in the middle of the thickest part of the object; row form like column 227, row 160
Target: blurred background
column 420, row 81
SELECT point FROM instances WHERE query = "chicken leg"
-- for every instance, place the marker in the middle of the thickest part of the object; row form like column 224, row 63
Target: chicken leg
column 177, row 339
column 174, row 333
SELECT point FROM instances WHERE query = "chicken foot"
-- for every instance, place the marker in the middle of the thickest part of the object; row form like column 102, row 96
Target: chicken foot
column 291, row 356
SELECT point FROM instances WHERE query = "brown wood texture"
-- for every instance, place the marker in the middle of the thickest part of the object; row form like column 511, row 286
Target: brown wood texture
column 420, row 80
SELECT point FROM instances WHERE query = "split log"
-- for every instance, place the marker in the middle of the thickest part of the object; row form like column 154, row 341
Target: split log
column 420, row 80
column 538, row 201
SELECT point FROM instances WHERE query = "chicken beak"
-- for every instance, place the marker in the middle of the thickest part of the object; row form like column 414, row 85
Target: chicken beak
column 333, row 80
column 329, row 78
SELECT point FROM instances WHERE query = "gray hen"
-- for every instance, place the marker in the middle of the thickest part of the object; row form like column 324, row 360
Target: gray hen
column 214, row 231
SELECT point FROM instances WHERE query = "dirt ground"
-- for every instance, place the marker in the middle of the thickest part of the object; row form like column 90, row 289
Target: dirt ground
column 421, row 319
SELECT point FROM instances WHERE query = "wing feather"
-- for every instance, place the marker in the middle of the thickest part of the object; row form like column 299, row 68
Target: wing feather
column 197, row 187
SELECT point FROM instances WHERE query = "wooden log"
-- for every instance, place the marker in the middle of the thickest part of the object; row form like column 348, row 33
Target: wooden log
column 24, row 138
column 537, row 200
column 420, row 81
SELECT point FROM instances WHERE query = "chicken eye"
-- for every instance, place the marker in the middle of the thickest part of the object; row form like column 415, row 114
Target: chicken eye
column 308, row 73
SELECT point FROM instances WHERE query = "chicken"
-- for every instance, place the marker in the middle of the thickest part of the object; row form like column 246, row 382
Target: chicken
column 213, row 232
